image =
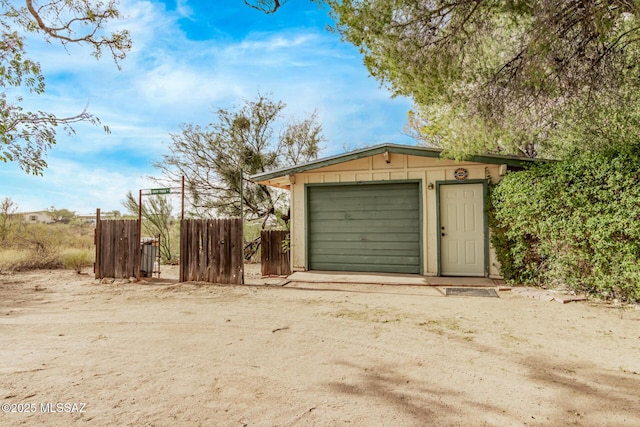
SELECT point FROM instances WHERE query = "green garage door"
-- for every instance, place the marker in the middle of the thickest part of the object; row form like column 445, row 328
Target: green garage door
column 364, row 227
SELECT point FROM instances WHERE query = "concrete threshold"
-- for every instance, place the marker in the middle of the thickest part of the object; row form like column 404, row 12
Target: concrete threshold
column 386, row 279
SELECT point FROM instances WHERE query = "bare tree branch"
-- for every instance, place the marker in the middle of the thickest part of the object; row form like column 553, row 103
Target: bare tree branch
column 266, row 6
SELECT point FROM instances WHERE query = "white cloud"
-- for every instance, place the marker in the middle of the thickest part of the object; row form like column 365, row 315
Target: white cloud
column 167, row 80
column 268, row 43
column 183, row 8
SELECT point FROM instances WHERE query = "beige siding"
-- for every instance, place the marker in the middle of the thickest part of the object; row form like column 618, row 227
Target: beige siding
column 37, row 217
column 376, row 168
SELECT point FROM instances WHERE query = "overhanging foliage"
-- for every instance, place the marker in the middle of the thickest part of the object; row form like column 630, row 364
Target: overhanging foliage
column 498, row 76
column 25, row 136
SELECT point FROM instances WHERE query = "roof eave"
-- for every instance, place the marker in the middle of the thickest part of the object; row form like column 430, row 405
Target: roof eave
column 512, row 161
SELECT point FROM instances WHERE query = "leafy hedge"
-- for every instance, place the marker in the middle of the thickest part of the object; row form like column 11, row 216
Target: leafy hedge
column 574, row 223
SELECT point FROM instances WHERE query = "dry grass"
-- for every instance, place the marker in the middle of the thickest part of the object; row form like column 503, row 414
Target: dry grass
column 375, row 315
column 446, row 326
column 12, row 257
column 22, row 260
column 47, row 246
column 77, row 259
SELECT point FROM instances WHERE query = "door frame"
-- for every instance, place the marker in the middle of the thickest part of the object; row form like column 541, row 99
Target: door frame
column 485, row 217
column 356, row 183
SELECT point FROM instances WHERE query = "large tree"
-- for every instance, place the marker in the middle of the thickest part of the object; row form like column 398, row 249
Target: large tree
column 500, row 75
column 217, row 160
column 25, row 136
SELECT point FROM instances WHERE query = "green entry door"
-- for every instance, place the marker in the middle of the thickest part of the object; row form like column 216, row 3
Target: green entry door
column 364, row 227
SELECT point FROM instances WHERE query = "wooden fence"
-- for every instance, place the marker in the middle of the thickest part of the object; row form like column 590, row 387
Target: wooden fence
column 211, row 250
column 274, row 260
column 117, row 249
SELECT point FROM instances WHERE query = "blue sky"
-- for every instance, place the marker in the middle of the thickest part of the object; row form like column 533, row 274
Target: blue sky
column 189, row 58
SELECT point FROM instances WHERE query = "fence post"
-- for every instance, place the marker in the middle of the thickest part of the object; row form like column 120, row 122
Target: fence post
column 97, row 264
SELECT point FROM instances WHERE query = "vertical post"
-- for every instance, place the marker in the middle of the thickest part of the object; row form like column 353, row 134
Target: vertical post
column 158, row 256
column 182, row 237
column 182, row 214
column 139, row 254
column 97, row 240
column 242, row 218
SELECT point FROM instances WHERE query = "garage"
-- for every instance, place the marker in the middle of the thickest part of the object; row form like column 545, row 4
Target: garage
column 373, row 227
column 392, row 209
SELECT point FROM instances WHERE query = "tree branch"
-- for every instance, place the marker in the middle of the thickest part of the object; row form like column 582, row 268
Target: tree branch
column 266, row 6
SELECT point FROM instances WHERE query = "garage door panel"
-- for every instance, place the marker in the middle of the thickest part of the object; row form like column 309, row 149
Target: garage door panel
column 372, row 200
column 390, row 241
column 375, row 227
column 379, row 226
column 353, row 215
column 372, row 237
column 367, row 227
column 387, row 208
column 381, row 242
column 371, row 197
column 350, row 202
column 379, row 260
column 395, row 268
column 381, row 223
column 365, row 253
column 361, row 190
column 384, row 238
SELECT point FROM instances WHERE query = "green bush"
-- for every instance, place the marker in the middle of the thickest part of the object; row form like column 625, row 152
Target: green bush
column 574, row 223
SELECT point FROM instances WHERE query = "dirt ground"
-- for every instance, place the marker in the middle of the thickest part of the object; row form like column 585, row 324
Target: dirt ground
column 77, row 352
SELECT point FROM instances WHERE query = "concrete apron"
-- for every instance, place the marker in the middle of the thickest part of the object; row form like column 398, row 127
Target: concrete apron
column 386, row 279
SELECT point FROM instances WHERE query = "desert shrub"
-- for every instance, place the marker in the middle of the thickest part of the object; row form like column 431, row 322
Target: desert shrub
column 41, row 240
column 80, row 237
column 23, row 260
column 574, row 223
column 77, row 259
column 45, row 246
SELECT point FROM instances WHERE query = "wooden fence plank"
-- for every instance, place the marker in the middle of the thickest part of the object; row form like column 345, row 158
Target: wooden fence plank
column 212, row 229
column 235, row 230
column 225, row 261
column 193, row 250
column 117, row 247
column 184, row 254
column 274, row 260
column 211, row 251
